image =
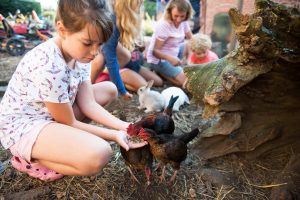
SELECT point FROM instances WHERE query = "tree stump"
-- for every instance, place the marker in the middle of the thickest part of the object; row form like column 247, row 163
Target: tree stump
column 253, row 93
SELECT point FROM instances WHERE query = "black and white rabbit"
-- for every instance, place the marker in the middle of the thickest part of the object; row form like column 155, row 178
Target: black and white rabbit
column 175, row 91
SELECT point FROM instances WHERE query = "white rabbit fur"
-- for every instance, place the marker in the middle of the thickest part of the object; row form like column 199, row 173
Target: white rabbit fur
column 175, row 91
column 150, row 99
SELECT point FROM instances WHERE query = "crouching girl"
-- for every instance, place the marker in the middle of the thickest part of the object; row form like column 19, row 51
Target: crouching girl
column 50, row 94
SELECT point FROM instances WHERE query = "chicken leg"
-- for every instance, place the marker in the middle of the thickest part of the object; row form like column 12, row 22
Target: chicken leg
column 173, row 177
column 162, row 176
column 132, row 175
column 157, row 167
column 148, row 174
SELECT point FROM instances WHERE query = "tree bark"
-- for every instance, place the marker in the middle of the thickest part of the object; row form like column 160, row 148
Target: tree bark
column 253, row 93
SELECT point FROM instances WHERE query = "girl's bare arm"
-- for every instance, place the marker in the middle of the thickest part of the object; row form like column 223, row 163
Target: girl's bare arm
column 91, row 109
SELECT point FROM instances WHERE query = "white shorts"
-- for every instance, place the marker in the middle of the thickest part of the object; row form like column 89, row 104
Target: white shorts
column 23, row 147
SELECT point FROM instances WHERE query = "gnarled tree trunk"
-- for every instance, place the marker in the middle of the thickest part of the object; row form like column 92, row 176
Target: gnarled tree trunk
column 252, row 94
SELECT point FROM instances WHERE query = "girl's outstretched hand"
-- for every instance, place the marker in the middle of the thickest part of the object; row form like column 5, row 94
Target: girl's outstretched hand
column 123, row 141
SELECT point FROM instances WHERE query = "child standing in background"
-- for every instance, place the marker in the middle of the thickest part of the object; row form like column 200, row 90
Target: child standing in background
column 197, row 50
column 50, row 94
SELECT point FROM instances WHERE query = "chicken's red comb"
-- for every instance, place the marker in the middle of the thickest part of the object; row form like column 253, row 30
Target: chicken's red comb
column 130, row 129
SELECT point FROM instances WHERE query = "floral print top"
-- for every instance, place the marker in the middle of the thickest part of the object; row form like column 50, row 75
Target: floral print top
column 41, row 76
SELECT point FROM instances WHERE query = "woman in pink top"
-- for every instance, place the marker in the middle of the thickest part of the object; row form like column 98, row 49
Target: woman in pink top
column 169, row 34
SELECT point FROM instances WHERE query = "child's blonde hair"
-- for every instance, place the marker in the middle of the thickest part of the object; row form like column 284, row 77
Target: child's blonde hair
column 129, row 20
column 200, row 42
column 76, row 14
column 182, row 6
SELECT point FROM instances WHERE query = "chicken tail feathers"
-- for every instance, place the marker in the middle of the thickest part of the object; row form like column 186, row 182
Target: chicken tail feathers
column 172, row 101
column 186, row 138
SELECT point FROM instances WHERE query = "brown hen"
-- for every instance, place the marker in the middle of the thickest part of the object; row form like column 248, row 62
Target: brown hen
column 168, row 148
column 138, row 159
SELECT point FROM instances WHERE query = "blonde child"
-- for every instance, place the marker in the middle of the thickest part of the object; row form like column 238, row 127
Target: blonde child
column 198, row 50
column 50, row 94
column 116, row 52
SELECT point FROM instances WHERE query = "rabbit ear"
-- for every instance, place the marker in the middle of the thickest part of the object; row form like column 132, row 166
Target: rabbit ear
column 150, row 83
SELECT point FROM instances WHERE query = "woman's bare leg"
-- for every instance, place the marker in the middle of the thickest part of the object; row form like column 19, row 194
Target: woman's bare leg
column 179, row 80
column 132, row 80
column 105, row 93
column 97, row 66
column 149, row 75
column 123, row 55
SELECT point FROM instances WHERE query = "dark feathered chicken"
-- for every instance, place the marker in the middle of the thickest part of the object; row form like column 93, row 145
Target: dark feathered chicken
column 160, row 122
column 168, row 148
column 138, row 159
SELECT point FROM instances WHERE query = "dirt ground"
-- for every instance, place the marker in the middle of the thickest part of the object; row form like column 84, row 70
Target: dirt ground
column 228, row 177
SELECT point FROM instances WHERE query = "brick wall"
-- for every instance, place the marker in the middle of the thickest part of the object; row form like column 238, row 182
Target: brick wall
column 214, row 7
column 292, row 3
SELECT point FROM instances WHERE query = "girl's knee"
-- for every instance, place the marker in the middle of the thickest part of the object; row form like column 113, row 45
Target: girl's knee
column 113, row 91
column 158, row 82
column 105, row 93
column 181, row 78
column 96, row 159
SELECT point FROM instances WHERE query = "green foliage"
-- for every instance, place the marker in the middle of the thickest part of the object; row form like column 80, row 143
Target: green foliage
column 25, row 6
column 50, row 16
column 150, row 7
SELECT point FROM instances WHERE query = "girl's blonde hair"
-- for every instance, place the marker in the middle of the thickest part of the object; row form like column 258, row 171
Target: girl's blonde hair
column 129, row 19
column 200, row 42
column 76, row 14
column 182, row 6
